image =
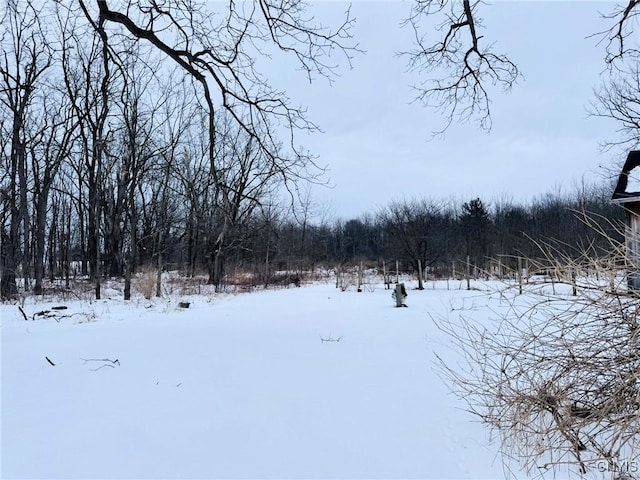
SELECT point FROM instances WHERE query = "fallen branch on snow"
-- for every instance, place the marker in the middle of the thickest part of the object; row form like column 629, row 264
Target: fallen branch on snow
column 107, row 362
column 56, row 316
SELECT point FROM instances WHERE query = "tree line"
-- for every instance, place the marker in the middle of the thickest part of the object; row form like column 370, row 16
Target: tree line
column 445, row 237
column 112, row 159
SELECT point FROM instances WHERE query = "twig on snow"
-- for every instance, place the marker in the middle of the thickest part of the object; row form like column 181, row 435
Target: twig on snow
column 330, row 339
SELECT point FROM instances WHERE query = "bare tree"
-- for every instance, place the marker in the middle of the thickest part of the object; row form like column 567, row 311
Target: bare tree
column 26, row 56
column 131, row 159
column 50, row 147
column 216, row 51
column 162, row 201
column 415, row 231
column 248, row 178
column 196, row 187
column 89, row 83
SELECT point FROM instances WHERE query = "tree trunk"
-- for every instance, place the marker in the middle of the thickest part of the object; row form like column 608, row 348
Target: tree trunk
column 65, row 246
column 131, row 257
column 266, row 266
column 39, row 238
column 84, row 260
column 127, row 279
column 24, row 215
column 216, row 262
column 159, row 274
column 218, row 268
column 53, row 234
column 8, row 286
column 93, row 249
column 10, row 244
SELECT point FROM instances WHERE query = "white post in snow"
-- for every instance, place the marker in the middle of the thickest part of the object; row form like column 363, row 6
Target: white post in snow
column 468, row 273
column 400, row 295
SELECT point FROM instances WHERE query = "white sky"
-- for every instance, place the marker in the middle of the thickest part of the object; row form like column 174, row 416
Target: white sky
column 378, row 145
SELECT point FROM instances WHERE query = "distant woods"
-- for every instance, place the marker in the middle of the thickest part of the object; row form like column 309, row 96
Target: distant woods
column 111, row 161
column 163, row 213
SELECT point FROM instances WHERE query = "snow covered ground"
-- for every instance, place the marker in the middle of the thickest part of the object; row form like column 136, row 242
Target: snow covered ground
column 239, row 386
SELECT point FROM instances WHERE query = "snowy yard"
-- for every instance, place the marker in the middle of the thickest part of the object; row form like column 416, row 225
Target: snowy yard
column 239, row 387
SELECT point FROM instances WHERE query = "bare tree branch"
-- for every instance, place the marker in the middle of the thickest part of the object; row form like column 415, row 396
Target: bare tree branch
column 459, row 68
column 617, row 38
column 217, row 51
column 556, row 372
column 618, row 99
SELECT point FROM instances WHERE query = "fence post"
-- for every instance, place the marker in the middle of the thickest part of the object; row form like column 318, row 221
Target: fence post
column 520, row 275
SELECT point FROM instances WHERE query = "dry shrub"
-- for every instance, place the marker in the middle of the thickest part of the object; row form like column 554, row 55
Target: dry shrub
column 240, row 278
column 286, row 279
column 346, row 278
column 178, row 284
column 246, row 281
column 556, row 371
column 146, row 281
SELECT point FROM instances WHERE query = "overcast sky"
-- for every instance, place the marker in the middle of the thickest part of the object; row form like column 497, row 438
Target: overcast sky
column 378, row 145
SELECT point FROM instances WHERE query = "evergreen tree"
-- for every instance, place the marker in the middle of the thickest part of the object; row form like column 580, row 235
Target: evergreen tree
column 475, row 225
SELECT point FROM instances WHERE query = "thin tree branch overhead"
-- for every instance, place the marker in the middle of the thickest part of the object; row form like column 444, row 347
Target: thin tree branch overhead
column 619, row 37
column 218, row 44
column 459, row 68
column 618, row 99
